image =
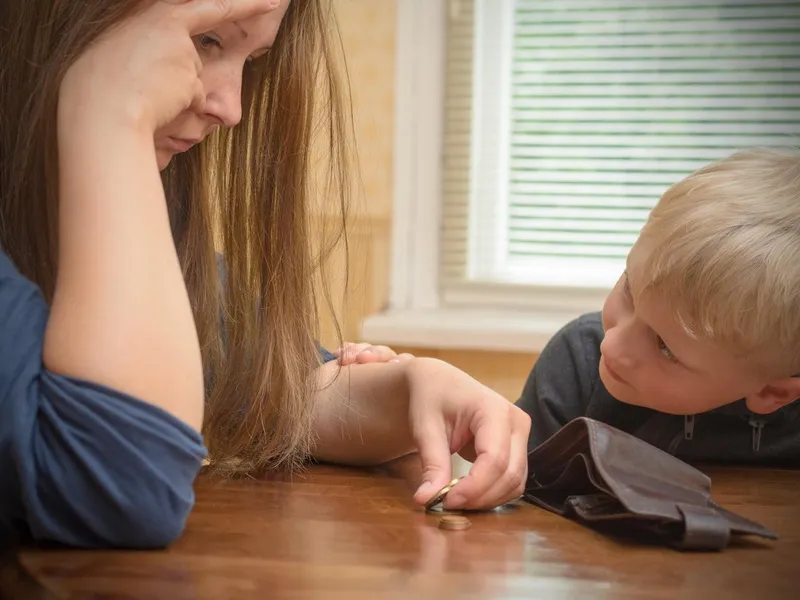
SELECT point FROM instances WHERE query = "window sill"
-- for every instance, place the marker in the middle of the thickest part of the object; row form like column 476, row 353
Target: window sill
column 465, row 329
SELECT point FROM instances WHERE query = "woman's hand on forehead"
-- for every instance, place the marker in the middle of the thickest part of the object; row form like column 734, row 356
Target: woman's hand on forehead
column 144, row 72
column 203, row 15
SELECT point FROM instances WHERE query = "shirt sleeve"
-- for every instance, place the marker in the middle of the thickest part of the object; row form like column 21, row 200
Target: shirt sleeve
column 560, row 384
column 82, row 464
column 325, row 355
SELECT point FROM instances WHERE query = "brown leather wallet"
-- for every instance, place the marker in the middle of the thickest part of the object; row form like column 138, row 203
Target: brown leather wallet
column 600, row 476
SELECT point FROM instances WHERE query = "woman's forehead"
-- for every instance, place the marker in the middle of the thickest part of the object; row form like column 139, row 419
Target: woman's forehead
column 259, row 32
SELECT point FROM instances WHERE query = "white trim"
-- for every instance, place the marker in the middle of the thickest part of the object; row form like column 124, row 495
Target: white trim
column 491, row 125
column 416, row 206
column 530, row 300
column 465, row 329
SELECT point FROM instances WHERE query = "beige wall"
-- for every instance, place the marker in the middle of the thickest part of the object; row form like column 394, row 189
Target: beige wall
column 368, row 31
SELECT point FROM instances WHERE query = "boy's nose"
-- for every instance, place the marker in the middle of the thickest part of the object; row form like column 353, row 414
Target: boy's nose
column 617, row 350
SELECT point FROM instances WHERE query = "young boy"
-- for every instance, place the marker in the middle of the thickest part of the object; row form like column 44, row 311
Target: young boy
column 697, row 348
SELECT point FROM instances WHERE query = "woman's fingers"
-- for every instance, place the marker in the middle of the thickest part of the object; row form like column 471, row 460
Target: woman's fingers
column 200, row 16
column 492, row 432
column 511, row 484
column 500, row 467
column 363, row 353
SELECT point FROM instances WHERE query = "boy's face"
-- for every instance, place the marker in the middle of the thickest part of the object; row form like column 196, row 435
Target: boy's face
column 649, row 360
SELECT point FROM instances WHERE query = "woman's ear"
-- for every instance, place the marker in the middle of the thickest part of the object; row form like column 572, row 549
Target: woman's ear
column 774, row 396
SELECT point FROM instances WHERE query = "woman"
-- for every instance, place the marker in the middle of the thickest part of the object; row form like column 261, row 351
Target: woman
column 128, row 132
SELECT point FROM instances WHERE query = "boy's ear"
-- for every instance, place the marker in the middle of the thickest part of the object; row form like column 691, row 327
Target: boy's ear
column 774, row 396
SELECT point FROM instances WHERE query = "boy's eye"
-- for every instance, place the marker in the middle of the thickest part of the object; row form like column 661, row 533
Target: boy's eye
column 665, row 351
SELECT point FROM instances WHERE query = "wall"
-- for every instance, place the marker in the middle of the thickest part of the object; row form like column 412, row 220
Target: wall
column 368, row 32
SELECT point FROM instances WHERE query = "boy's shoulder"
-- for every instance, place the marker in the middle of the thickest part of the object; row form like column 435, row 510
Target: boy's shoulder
column 565, row 383
column 586, row 329
column 575, row 347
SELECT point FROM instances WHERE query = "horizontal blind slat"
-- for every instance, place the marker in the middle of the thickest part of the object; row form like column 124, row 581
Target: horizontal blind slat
column 652, row 141
column 655, row 39
column 766, row 49
column 622, row 6
column 644, row 77
column 522, row 151
column 777, row 99
column 651, row 191
column 577, row 213
column 755, row 91
column 578, row 250
column 522, row 176
column 532, row 28
column 721, row 65
column 652, row 12
column 570, row 200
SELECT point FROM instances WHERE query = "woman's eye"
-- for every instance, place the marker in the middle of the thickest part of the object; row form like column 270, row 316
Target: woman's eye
column 206, row 42
column 665, row 351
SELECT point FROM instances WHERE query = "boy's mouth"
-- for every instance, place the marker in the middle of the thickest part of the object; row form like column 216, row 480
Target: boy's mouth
column 614, row 375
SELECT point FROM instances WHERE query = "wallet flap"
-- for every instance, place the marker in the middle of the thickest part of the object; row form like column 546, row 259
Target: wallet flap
column 647, row 480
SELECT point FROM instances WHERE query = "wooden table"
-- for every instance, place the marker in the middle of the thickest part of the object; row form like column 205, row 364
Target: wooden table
column 350, row 534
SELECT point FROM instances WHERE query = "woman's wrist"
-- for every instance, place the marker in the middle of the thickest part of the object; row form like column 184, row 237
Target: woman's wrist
column 81, row 110
column 361, row 413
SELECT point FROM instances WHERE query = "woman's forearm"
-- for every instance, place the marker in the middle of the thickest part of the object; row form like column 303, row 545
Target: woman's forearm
column 121, row 316
column 362, row 413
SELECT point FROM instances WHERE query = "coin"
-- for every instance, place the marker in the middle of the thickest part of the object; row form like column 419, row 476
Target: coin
column 439, row 497
column 454, row 523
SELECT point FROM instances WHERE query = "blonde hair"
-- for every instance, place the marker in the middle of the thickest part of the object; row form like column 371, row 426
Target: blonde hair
column 724, row 249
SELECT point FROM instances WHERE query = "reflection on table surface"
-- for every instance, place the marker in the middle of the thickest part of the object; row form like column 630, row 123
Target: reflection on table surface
column 342, row 533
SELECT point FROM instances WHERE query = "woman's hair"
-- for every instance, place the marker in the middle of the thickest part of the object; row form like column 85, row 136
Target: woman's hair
column 241, row 201
column 723, row 246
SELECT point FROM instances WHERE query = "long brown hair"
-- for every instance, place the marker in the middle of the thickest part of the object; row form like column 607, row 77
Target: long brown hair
column 241, row 200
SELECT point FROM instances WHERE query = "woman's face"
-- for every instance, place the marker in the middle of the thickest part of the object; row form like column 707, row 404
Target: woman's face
column 224, row 52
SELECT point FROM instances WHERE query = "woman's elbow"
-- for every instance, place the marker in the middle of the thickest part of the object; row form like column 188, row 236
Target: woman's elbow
column 98, row 523
column 153, row 526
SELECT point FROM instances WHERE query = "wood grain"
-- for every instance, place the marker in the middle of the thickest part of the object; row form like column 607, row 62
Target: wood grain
column 350, row 534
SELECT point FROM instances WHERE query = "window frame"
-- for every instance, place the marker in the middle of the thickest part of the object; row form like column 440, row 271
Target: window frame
column 478, row 314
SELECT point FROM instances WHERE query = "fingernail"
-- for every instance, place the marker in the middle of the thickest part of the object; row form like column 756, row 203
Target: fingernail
column 425, row 487
column 367, row 351
column 394, row 360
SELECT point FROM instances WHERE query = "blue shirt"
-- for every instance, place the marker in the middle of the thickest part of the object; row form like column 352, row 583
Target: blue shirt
column 82, row 464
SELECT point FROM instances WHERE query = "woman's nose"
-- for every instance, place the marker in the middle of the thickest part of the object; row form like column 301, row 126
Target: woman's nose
column 223, row 97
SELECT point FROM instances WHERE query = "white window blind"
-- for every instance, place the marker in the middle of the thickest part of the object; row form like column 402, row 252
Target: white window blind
column 566, row 120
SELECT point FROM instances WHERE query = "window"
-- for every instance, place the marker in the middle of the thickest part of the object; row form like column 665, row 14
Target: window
column 562, row 124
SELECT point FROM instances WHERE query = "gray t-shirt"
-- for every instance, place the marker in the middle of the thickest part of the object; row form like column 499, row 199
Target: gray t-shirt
column 565, row 384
